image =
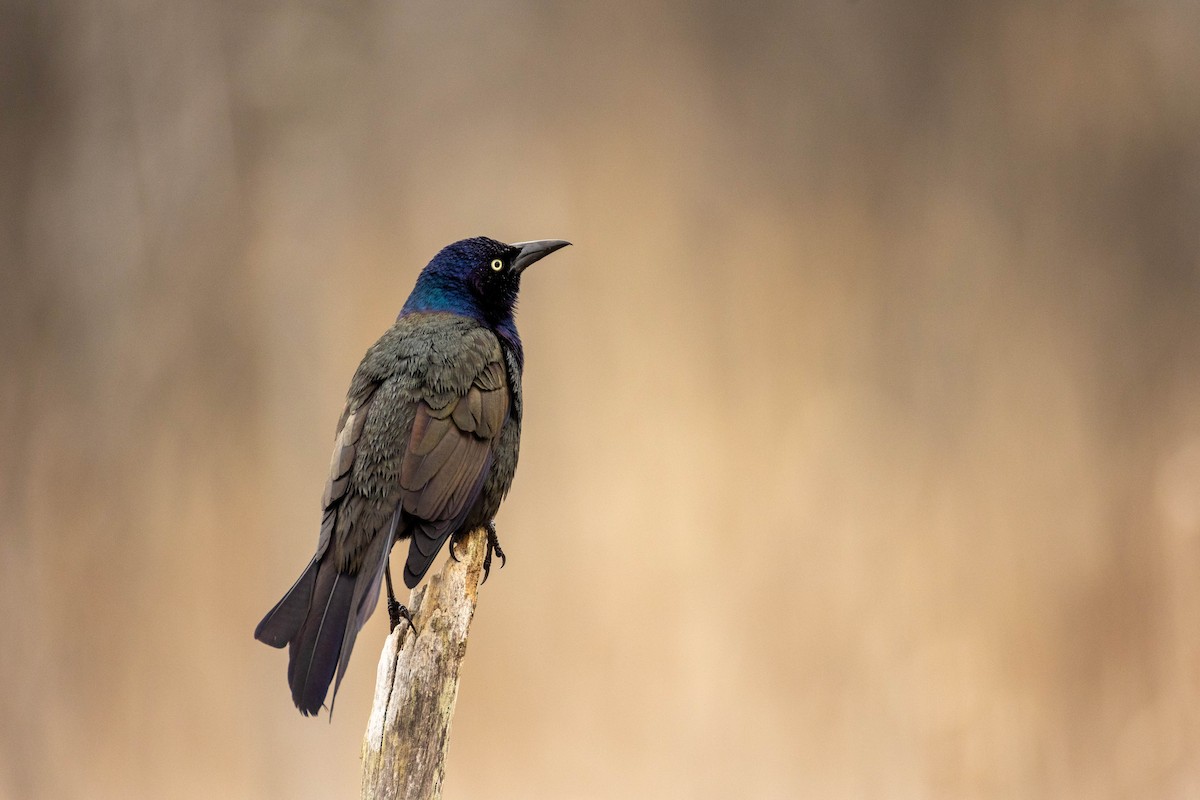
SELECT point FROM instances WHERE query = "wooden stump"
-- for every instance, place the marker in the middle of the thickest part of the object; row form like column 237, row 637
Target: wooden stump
column 404, row 750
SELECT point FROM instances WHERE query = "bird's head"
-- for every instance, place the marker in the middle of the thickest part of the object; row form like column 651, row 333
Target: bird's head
column 477, row 277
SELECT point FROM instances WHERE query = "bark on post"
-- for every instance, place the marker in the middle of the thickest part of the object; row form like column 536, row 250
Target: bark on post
column 404, row 749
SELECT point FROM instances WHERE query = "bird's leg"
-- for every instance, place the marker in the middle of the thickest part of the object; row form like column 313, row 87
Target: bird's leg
column 493, row 544
column 395, row 611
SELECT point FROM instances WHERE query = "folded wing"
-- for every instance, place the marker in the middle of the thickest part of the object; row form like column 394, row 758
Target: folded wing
column 446, row 462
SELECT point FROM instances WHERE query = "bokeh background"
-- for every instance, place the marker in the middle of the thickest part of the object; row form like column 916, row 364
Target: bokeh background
column 862, row 443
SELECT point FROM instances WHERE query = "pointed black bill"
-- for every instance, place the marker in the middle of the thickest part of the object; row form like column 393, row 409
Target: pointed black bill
column 535, row 251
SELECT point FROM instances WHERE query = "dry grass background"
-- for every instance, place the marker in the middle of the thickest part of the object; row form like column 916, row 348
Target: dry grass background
column 862, row 454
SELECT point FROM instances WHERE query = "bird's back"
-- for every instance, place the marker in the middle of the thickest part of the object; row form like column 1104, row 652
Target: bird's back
column 431, row 358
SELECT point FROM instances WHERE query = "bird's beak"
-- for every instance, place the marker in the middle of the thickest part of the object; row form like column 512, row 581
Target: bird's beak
column 535, row 251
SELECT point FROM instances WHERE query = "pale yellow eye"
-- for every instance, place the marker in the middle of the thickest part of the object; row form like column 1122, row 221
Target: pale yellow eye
column 497, row 264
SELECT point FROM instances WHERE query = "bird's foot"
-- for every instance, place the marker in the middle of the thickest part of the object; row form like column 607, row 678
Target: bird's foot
column 397, row 612
column 493, row 545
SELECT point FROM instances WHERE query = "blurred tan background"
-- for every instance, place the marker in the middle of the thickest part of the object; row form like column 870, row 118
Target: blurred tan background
column 862, row 444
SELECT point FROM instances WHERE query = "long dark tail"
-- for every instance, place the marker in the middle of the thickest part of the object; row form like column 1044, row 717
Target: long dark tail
column 319, row 618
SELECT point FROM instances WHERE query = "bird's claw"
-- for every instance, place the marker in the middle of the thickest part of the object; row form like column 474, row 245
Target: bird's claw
column 493, row 544
column 396, row 612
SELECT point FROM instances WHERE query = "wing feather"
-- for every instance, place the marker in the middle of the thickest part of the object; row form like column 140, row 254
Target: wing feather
column 345, row 446
column 444, row 466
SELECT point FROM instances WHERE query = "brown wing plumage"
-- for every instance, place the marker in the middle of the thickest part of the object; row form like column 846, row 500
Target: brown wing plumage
column 446, row 461
column 345, row 448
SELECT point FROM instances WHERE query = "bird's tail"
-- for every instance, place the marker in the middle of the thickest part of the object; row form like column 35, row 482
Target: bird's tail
column 319, row 618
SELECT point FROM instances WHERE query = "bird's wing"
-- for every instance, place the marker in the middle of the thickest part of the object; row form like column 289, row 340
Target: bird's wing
column 446, row 461
column 283, row 621
column 345, row 448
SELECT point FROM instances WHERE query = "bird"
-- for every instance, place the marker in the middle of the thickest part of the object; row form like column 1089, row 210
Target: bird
column 425, row 450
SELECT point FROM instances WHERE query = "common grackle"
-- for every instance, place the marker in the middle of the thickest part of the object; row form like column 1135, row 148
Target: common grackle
column 425, row 450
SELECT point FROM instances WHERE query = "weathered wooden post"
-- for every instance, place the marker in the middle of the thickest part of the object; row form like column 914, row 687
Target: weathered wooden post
column 404, row 750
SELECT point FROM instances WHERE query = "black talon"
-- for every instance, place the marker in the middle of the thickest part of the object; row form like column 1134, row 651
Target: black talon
column 493, row 544
column 396, row 611
column 453, row 554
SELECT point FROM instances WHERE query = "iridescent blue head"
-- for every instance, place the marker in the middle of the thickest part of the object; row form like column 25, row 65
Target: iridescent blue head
column 477, row 278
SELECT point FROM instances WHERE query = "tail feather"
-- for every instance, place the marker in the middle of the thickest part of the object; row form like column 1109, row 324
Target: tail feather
column 366, row 595
column 282, row 623
column 316, row 647
column 320, row 617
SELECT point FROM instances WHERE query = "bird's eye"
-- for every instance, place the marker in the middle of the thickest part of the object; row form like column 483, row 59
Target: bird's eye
column 497, row 264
